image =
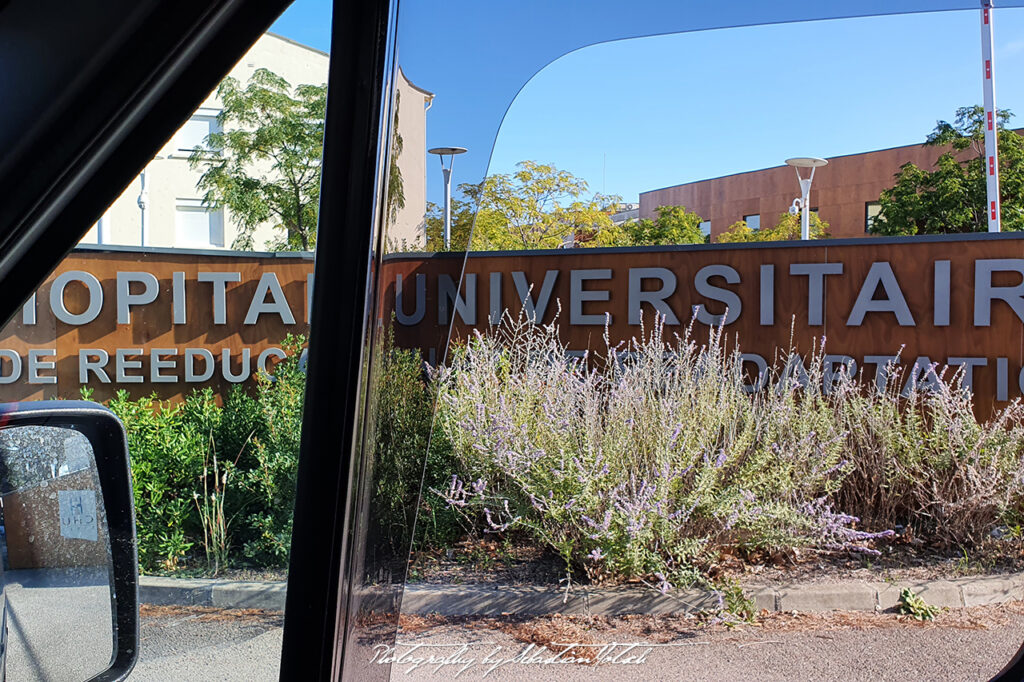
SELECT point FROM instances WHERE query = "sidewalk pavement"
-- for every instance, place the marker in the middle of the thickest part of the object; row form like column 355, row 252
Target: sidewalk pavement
column 495, row 600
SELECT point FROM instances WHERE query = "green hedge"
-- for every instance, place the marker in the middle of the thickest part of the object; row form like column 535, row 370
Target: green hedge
column 244, row 453
column 215, row 484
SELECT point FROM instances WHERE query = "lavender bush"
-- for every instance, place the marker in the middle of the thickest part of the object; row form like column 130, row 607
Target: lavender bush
column 645, row 461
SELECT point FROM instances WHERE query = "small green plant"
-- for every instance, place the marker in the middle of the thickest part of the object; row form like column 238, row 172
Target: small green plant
column 478, row 557
column 506, row 552
column 963, row 562
column 735, row 604
column 911, row 604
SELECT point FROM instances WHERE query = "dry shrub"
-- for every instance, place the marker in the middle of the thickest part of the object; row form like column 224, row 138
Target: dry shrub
column 922, row 459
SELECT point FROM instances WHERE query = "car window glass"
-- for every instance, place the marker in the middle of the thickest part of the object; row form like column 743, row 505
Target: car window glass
column 654, row 399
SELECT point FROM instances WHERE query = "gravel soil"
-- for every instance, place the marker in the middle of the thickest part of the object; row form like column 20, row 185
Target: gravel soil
column 487, row 562
column 262, row 575
column 902, row 562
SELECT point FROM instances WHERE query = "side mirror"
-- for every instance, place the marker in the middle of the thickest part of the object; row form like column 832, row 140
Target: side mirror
column 70, row 577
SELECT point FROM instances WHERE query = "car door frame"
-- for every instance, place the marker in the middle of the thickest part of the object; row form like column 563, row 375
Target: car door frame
column 325, row 523
column 97, row 140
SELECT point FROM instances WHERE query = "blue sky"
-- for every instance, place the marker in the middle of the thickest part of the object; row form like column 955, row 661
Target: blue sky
column 643, row 113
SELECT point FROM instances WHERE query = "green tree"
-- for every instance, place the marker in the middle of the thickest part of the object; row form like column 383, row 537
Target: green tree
column 536, row 207
column 674, row 225
column 952, row 197
column 463, row 214
column 264, row 165
column 788, row 228
column 396, row 187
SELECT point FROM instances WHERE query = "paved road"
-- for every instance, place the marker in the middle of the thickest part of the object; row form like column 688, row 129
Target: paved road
column 206, row 644
column 59, row 624
column 184, row 645
column 905, row 653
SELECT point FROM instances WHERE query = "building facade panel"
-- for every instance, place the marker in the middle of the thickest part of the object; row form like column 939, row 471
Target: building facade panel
column 154, row 207
column 409, row 226
column 840, row 193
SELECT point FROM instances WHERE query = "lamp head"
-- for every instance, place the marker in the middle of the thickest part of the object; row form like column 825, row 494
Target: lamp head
column 806, row 162
column 447, row 151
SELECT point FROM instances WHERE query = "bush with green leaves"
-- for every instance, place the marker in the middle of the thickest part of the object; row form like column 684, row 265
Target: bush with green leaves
column 406, row 457
column 269, row 479
column 255, row 441
column 923, row 460
column 167, row 462
column 642, row 465
column 404, row 412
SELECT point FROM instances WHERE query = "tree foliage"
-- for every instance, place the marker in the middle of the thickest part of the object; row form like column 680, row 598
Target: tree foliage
column 788, row 228
column 463, row 214
column 674, row 225
column 396, row 186
column 536, row 207
column 542, row 207
column 952, row 197
column 264, row 165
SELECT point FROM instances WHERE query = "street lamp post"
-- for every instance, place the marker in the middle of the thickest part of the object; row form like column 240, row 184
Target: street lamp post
column 450, row 152
column 803, row 202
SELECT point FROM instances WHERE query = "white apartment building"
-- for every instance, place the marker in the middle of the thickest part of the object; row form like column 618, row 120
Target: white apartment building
column 163, row 208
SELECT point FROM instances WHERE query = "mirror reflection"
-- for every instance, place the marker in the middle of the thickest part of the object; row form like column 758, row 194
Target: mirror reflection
column 58, row 601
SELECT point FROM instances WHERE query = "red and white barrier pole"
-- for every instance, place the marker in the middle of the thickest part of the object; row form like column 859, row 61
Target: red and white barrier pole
column 991, row 124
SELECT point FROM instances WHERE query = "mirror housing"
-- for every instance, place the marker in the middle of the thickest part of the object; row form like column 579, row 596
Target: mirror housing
column 111, row 471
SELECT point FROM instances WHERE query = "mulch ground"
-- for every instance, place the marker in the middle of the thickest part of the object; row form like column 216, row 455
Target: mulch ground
column 486, row 561
column 549, row 631
column 209, row 614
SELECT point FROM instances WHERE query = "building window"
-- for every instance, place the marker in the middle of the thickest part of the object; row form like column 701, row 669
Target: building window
column 193, row 133
column 871, row 211
column 705, row 228
column 753, row 221
column 197, row 226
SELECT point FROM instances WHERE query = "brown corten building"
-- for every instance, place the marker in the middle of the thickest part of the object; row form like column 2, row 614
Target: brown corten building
column 844, row 194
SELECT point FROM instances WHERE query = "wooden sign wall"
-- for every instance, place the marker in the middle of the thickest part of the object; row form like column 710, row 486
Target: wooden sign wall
column 918, row 302
column 167, row 322
column 153, row 322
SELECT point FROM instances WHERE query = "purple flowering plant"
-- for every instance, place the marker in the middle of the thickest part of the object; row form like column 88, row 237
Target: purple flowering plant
column 644, row 461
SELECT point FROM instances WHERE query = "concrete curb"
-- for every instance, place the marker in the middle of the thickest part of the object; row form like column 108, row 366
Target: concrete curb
column 496, row 600
column 852, row 595
column 223, row 594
